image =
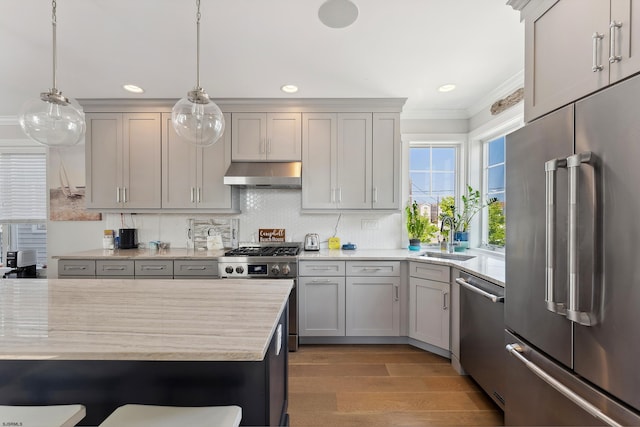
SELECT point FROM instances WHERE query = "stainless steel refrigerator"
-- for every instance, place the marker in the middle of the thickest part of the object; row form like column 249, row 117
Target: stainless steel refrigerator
column 572, row 309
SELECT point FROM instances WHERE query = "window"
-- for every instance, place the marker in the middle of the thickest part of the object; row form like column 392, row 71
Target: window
column 494, row 178
column 432, row 180
column 23, row 203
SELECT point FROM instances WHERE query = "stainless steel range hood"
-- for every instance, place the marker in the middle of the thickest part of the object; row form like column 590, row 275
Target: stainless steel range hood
column 264, row 174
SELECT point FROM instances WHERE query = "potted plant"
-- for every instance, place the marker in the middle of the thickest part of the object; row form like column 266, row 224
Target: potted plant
column 471, row 205
column 417, row 225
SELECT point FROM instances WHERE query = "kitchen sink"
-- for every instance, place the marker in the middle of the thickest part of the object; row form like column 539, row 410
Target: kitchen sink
column 446, row 255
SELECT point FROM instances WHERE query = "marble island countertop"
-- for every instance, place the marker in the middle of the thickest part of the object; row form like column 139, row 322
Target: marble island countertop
column 113, row 319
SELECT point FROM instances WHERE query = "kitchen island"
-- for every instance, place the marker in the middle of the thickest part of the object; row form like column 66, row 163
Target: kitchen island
column 107, row 342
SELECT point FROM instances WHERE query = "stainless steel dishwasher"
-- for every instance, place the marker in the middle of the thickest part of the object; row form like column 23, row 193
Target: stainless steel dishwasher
column 482, row 353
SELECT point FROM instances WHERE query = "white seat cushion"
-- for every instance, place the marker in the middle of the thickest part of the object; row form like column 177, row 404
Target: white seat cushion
column 174, row 416
column 42, row 416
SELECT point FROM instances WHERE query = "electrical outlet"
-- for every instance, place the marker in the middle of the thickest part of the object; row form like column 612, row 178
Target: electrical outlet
column 369, row 224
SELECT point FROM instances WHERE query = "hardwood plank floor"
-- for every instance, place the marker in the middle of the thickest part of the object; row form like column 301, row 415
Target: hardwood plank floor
column 382, row 386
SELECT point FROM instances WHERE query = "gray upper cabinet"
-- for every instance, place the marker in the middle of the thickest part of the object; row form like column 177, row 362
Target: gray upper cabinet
column 266, row 137
column 351, row 161
column 192, row 177
column 123, row 159
column 575, row 48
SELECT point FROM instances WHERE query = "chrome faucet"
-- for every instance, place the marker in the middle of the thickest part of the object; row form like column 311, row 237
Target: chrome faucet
column 448, row 219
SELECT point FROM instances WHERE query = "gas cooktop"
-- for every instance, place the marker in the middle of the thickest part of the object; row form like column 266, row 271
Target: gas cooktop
column 285, row 249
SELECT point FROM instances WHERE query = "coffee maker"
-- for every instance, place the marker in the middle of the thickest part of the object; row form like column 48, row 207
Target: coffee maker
column 128, row 238
column 23, row 264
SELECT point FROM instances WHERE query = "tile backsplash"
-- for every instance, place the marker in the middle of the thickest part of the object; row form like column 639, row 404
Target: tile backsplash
column 274, row 208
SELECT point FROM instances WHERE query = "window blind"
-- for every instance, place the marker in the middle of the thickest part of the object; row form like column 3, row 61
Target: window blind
column 23, row 187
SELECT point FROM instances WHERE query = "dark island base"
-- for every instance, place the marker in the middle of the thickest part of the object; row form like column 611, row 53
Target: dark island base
column 259, row 388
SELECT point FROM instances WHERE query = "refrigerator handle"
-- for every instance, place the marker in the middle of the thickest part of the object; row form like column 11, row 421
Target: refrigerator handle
column 516, row 350
column 586, row 318
column 550, row 168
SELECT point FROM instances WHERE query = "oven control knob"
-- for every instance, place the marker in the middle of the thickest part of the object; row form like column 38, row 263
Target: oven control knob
column 275, row 270
column 286, row 269
column 228, row 269
column 240, row 269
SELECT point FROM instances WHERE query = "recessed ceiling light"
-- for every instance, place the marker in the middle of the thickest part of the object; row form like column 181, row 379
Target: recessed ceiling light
column 133, row 88
column 338, row 13
column 289, row 88
column 446, row 88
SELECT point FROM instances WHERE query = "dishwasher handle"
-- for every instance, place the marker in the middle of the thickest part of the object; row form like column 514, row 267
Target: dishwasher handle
column 489, row 296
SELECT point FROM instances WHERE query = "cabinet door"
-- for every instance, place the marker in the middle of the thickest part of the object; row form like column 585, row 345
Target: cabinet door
column 284, row 137
column 319, row 142
column 321, row 306
column 373, row 306
column 249, row 136
column 103, row 159
column 626, row 39
column 386, row 161
column 353, row 161
column 559, row 54
column 178, row 168
column 213, row 162
column 142, row 160
column 429, row 312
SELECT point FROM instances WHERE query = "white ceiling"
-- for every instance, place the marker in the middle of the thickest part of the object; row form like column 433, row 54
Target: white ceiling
column 250, row 48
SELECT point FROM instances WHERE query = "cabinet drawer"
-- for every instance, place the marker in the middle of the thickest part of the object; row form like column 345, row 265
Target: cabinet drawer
column 114, row 268
column 321, row 268
column 373, row 268
column 162, row 268
column 201, row 268
column 76, row 267
column 440, row 273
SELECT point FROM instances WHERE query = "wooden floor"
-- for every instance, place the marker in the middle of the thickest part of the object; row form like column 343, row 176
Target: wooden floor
column 382, row 385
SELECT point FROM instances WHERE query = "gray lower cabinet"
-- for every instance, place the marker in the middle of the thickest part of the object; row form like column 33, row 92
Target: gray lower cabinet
column 195, row 269
column 115, row 268
column 153, row 269
column 373, row 298
column 429, row 302
column 167, row 268
column 76, row 268
column 321, row 298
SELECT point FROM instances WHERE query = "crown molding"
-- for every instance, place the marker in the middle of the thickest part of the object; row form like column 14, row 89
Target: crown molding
column 435, row 115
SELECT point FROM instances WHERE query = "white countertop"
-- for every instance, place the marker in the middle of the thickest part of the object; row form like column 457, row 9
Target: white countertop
column 484, row 264
column 111, row 319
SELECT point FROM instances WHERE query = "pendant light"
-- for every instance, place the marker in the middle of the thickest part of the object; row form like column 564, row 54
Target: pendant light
column 196, row 118
column 53, row 119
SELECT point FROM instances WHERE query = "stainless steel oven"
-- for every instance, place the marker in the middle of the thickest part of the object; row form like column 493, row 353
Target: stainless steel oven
column 267, row 261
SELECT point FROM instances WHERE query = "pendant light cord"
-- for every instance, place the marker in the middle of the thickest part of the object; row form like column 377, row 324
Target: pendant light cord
column 53, row 25
column 198, row 16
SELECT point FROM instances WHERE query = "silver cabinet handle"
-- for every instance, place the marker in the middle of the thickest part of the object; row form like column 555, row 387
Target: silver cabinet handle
column 375, row 195
column 115, row 268
column 153, row 267
column 589, row 318
column 198, row 194
column 124, row 194
column 516, row 350
column 614, row 27
column 269, row 146
column 196, row 268
column 445, row 304
column 397, row 293
column 550, row 168
column 339, row 195
column 192, row 194
column 490, row 296
column 117, row 194
column 263, row 144
column 321, row 281
column 597, row 63
column 74, row 267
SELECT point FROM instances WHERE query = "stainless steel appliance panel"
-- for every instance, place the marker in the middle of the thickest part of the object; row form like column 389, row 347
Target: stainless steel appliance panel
column 527, row 150
column 607, row 354
column 482, row 352
column 550, row 406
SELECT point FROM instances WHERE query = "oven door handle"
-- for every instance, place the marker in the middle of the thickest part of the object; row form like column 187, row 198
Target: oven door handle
column 487, row 295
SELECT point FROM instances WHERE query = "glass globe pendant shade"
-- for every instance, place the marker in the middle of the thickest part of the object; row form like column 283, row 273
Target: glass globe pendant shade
column 53, row 120
column 197, row 119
